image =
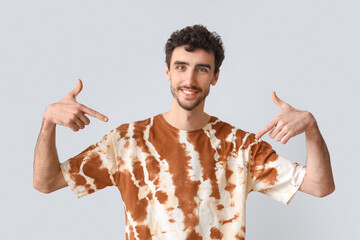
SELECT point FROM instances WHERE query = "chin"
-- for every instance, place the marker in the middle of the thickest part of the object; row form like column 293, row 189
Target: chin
column 189, row 107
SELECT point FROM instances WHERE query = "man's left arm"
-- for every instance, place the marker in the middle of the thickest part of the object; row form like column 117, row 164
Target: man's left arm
column 318, row 180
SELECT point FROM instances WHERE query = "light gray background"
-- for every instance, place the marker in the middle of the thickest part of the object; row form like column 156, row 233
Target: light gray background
column 308, row 51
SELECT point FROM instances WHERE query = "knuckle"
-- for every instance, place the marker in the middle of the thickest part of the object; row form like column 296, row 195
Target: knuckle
column 280, row 123
column 77, row 111
column 68, row 122
column 73, row 117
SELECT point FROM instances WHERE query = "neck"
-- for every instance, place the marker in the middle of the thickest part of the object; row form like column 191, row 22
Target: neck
column 187, row 120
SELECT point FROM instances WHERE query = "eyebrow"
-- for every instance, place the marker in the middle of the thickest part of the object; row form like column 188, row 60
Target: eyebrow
column 197, row 65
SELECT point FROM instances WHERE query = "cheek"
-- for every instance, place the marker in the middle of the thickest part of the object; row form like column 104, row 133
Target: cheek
column 205, row 81
column 175, row 78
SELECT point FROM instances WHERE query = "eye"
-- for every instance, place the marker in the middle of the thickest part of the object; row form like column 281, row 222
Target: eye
column 204, row 70
column 180, row 67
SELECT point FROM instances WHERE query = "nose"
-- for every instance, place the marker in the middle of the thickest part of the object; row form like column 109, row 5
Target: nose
column 190, row 78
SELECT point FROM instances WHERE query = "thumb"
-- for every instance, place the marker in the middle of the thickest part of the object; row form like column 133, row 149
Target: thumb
column 77, row 89
column 278, row 101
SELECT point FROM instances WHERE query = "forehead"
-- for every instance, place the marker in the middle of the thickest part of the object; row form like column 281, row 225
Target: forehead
column 194, row 57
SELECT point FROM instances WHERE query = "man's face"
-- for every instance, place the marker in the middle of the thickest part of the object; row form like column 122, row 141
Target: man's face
column 191, row 74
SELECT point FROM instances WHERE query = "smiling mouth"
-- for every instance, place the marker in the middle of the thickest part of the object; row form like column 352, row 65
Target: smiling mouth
column 189, row 91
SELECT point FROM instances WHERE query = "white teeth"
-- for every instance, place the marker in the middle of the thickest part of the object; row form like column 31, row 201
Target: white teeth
column 188, row 92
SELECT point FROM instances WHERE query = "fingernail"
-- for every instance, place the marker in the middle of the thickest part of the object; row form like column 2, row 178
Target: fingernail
column 106, row 119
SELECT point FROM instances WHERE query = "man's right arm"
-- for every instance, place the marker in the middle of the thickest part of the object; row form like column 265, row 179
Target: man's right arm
column 67, row 112
column 47, row 174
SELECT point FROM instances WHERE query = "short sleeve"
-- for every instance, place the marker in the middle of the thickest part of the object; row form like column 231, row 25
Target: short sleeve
column 94, row 168
column 274, row 175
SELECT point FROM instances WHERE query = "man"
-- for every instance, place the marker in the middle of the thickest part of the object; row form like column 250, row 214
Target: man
column 184, row 174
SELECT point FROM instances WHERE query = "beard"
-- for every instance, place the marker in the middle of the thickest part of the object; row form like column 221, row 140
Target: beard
column 188, row 106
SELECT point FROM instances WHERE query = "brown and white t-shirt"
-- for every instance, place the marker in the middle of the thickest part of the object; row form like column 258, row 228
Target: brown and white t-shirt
column 178, row 184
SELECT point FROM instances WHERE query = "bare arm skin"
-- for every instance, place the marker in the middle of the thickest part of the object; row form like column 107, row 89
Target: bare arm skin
column 318, row 180
column 47, row 174
column 67, row 112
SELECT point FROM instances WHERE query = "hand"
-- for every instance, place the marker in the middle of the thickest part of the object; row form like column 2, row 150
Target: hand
column 69, row 113
column 289, row 123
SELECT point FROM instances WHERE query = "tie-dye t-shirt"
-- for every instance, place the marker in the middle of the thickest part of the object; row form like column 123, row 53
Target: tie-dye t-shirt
column 178, row 184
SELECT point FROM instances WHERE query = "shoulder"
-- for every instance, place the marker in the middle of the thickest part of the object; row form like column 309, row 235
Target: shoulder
column 226, row 130
column 124, row 128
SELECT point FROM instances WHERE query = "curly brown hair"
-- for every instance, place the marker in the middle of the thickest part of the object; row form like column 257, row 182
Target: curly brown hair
column 195, row 37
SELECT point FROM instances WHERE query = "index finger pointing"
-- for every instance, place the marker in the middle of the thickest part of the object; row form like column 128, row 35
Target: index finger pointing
column 266, row 129
column 94, row 113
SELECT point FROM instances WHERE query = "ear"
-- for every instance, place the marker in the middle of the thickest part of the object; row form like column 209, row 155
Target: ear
column 168, row 75
column 215, row 79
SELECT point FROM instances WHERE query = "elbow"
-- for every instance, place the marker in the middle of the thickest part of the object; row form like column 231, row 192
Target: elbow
column 325, row 191
column 41, row 188
column 49, row 184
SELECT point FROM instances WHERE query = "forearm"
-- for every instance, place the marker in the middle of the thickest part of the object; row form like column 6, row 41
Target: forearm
column 319, row 179
column 66, row 112
column 46, row 161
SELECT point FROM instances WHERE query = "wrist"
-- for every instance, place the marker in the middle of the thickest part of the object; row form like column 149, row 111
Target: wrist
column 312, row 125
column 47, row 122
column 48, row 125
